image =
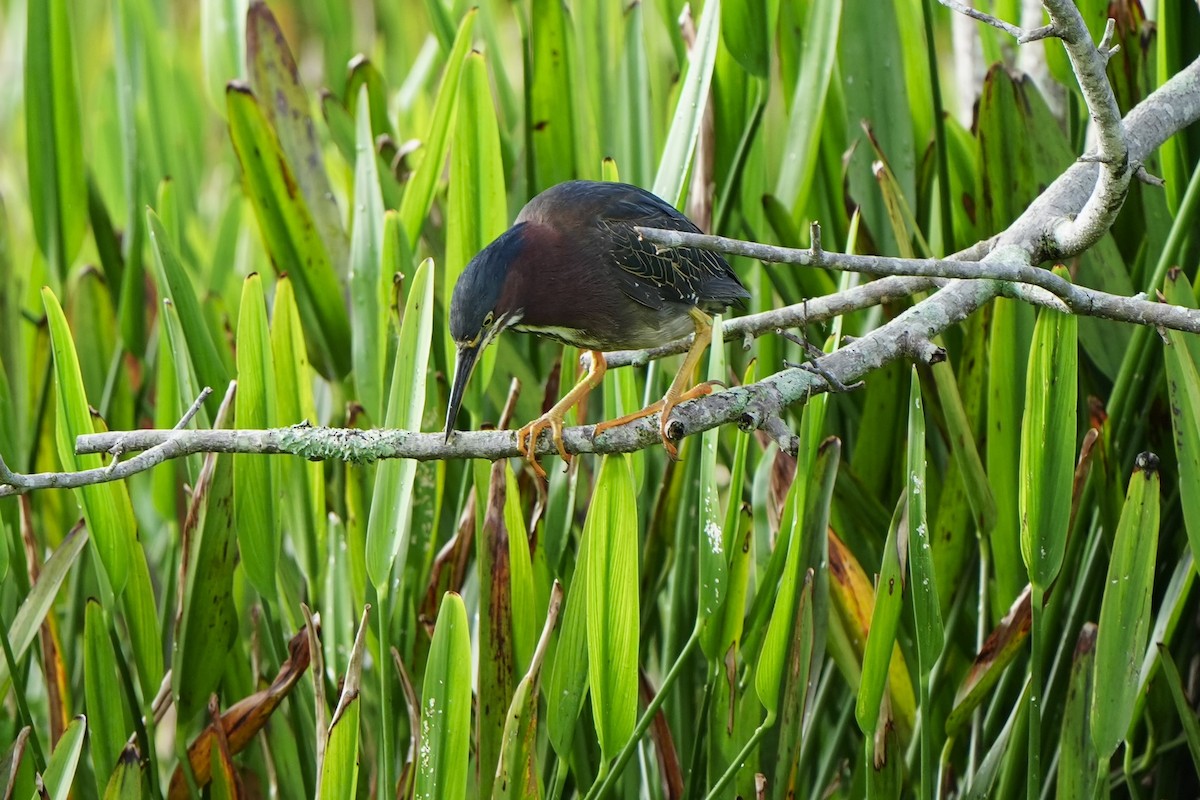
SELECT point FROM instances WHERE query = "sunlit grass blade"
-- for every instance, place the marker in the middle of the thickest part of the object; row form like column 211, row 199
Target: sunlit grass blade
column 446, row 707
column 853, row 601
column 712, row 540
column 610, row 532
column 1170, row 612
column 222, row 44
column 1047, row 471
column 550, row 118
column 418, row 193
column 1125, row 610
column 59, row 776
column 175, row 285
column 106, row 709
column 54, row 158
column 273, row 74
column 339, row 771
column 254, row 500
column 368, row 290
column 671, row 179
column 476, row 210
column 639, row 132
column 302, row 482
column 106, row 506
column 1077, row 757
column 387, row 526
column 176, row 379
column 289, row 232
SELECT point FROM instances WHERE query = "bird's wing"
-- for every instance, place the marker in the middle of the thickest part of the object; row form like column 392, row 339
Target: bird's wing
column 653, row 275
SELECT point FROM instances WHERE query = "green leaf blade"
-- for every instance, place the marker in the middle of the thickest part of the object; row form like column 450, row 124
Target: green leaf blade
column 388, row 523
column 106, row 506
column 612, row 602
column 1125, row 610
column 254, row 501
column 446, row 707
column 368, row 291
column 57, row 188
column 418, row 193
column 1048, row 433
column 926, row 606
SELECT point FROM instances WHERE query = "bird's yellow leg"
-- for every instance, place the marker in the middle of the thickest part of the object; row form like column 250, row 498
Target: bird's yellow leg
column 676, row 394
column 553, row 419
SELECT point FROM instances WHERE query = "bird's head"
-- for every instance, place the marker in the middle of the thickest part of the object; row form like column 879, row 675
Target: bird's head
column 481, row 308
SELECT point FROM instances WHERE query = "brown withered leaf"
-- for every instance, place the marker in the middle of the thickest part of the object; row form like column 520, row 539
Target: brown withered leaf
column 244, row 718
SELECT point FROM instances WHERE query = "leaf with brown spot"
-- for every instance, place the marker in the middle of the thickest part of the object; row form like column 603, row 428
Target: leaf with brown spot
column 497, row 659
column 272, row 72
column 289, row 232
column 853, row 599
column 999, row 649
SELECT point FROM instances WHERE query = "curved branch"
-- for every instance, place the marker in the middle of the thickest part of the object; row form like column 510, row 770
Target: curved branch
column 1172, row 107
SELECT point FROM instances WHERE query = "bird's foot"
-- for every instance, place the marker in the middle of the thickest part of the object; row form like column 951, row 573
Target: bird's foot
column 533, row 430
column 665, row 406
column 601, row 427
column 668, row 405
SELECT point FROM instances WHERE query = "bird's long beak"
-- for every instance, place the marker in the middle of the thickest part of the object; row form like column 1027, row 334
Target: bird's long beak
column 464, row 365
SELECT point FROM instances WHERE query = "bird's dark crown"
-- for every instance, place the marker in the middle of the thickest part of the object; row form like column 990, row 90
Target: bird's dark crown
column 478, row 290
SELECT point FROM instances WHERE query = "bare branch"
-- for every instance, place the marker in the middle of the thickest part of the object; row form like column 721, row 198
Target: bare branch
column 1001, row 265
column 1074, row 235
column 1071, row 234
column 1020, row 34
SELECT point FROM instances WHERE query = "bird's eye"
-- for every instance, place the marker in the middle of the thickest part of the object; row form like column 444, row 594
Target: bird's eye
column 487, row 321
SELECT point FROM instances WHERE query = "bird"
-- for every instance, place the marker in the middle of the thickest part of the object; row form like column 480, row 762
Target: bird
column 574, row 269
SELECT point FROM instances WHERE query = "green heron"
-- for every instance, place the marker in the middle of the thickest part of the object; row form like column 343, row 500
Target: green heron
column 573, row 268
